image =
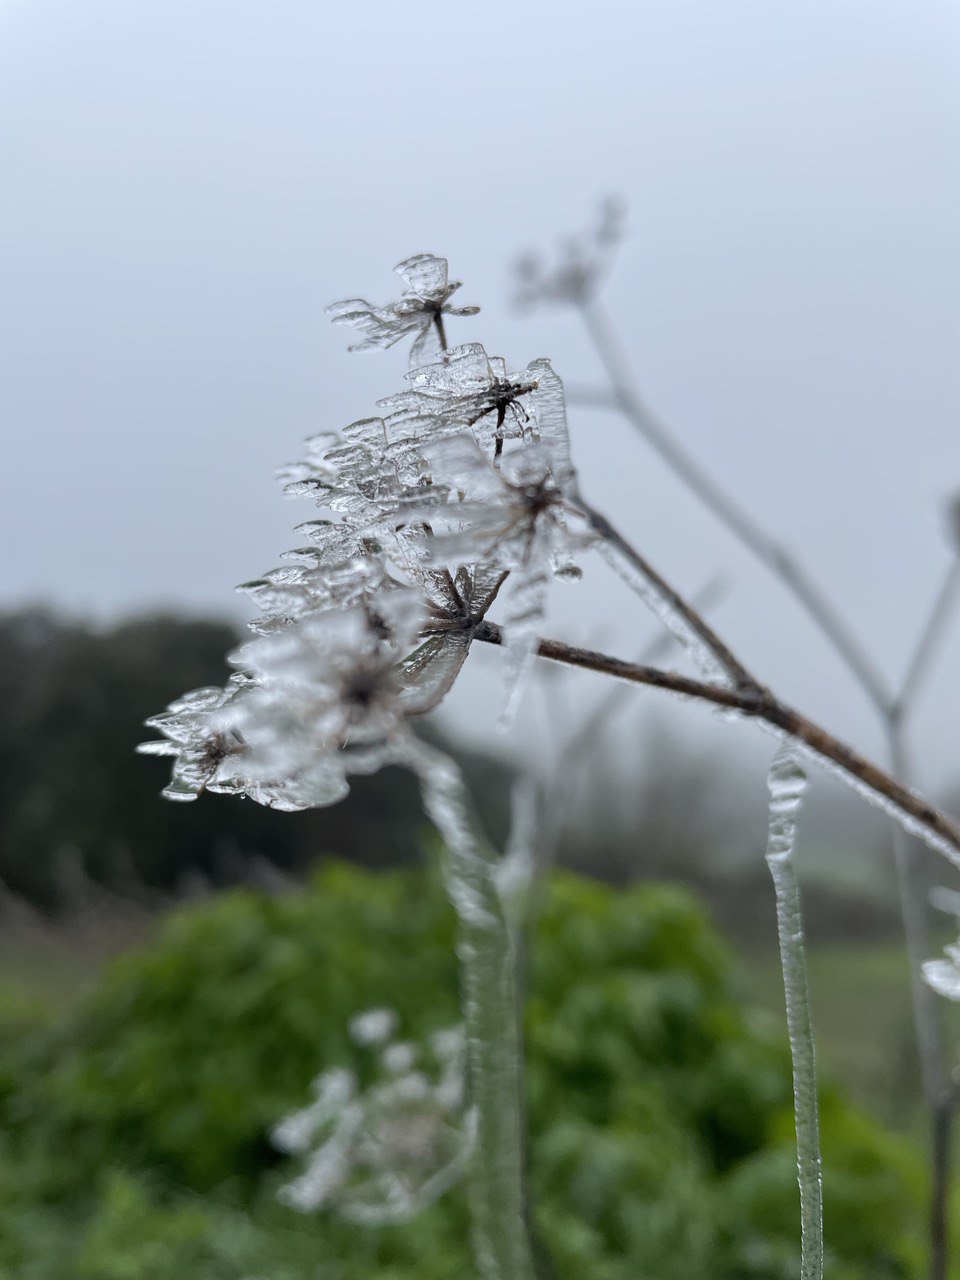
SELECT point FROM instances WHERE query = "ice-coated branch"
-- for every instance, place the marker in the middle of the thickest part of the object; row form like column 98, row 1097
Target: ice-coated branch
column 486, row 949
column 893, row 705
column 787, row 782
column 917, row 816
column 686, row 622
column 781, row 561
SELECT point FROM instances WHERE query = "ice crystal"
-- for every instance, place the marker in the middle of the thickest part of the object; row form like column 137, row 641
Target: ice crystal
column 384, row 1153
column 198, row 732
column 313, row 703
column 418, row 312
column 787, row 783
column 520, row 515
column 471, row 389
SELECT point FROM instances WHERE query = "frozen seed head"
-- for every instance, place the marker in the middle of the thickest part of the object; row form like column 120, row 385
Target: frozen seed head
column 461, row 494
column 198, row 732
column 418, row 312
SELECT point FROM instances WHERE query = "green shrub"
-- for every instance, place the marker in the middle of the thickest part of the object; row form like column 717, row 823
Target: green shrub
column 660, row 1125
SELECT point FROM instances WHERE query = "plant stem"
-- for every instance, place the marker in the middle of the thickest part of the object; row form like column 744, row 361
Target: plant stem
column 773, row 554
column 489, row 968
column 787, row 783
column 922, row 818
column 892, row 708
column 668, row 602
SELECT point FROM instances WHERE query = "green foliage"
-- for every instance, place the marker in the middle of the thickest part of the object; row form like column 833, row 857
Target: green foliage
column 661, row 1137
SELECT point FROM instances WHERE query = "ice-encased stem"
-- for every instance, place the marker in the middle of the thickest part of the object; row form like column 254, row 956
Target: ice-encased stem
column 787, row 782
column 710, row 653
column 488, row 968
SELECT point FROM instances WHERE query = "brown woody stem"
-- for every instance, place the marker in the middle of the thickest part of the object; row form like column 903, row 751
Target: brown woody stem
column 760, row 704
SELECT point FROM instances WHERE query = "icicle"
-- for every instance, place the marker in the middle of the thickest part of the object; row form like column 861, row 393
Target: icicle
column 876, row 799
column 787, row 782
column 491, row 1012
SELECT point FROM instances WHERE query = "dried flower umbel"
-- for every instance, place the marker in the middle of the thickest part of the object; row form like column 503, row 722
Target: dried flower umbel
column 464, row 485
column 418, row 312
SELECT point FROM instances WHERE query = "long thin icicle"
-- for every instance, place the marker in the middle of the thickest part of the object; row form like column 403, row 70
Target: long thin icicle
column 486, row 949
column 787, row 783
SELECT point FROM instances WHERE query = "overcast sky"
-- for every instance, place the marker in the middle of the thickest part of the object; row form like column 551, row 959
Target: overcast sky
column 185, row 184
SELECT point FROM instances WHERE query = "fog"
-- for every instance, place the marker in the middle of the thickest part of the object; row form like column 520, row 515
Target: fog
column 186, row 185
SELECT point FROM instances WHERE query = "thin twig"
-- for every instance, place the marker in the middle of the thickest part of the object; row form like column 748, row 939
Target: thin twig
column 929, row 638
column 777, row 557
column 892, row 707
column 674, row 602
column 759, row 703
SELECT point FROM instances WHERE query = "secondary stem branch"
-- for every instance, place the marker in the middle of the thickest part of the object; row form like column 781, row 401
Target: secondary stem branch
column 760, row 704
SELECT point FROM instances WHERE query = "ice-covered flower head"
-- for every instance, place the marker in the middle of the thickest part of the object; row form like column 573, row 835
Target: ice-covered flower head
column 198, row 732
column 418, row 312
column 467, row 388
column 326, row 698
column 461, row 495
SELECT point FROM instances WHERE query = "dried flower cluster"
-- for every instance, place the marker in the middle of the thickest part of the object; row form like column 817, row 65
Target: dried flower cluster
column 460, row 494
column 383, row 1153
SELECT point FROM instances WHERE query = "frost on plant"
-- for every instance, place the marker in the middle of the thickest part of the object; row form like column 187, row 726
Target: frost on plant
column 787, row 783
column 384, row 1152
column 417, row 313
column 462, row 493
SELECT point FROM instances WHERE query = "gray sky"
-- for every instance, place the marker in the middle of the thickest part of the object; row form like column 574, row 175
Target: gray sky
column 186, row 184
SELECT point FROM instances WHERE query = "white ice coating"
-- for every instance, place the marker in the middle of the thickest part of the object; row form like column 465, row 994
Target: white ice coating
column 413, row 315
column 486, row 948
column 661, row 606
column 911, row 825
column 787, row 783
column 464, row 486
column 381, row 1154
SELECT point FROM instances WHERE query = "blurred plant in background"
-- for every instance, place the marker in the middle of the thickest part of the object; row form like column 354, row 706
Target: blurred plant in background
column 135, row 1126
